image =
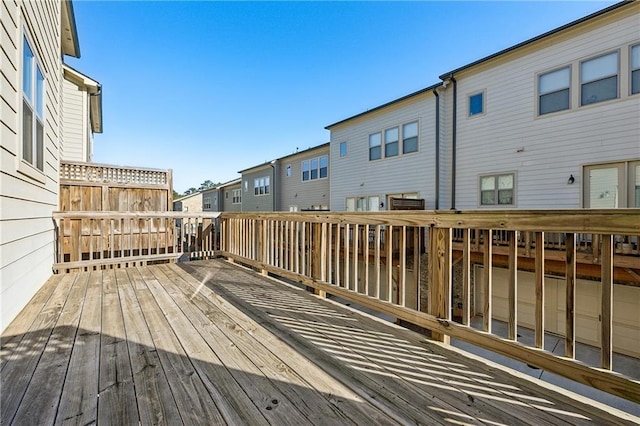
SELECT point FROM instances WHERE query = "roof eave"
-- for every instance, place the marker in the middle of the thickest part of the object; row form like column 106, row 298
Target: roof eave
column 69, row 34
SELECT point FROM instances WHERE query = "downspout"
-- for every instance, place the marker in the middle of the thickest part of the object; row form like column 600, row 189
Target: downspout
column 453, row 143
column 437, row 188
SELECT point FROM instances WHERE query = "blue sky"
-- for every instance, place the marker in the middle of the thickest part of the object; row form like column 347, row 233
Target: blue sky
column 209, row 88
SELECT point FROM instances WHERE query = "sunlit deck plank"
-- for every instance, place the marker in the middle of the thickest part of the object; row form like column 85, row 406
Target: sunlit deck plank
column 23, row 354
column 294, row 375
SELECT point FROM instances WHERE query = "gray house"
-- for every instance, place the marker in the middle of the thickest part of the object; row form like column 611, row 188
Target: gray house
column 303, row 180
column 258, row 189
column 226, row 197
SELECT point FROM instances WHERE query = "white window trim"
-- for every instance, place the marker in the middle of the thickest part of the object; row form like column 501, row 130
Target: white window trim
column 257, row 186
column 22, row 166
column 618, row 75
column 571, row 90
column 309, row 161
column 483, row 92
column 236, row 196
column 498, row 206
column 402, row 138
column 630, row 74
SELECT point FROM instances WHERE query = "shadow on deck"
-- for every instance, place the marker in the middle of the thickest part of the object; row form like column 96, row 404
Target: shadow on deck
column 211, row 343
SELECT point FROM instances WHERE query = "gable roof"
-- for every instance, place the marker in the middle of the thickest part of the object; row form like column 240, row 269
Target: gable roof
column 604, row 11
column 395, row 101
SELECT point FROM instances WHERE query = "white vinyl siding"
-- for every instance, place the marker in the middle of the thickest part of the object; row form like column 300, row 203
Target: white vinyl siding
column 74, row 129
column 355, row 176
column 28, row 193
column 544, row 149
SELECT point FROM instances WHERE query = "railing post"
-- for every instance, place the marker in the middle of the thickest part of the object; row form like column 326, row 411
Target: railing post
column 440, row 277
column 317, row 256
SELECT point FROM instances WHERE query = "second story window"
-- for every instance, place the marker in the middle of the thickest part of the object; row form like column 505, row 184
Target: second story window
column 207, row 203
column 288, row 170
column 237, row 196
column 476, row 104
column 32, row 109
column 391, row 142
column 375, row 148
column 315, row 168
column 261, row 186
column 343, row 149
column 635, row 69
column 410, row 137
column 553, row 91
column 599, row 79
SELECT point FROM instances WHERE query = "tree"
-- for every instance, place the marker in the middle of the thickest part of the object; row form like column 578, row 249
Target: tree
column 190, row 191
column 206, row 185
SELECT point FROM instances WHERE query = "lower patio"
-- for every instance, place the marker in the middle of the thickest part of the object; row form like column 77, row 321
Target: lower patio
column 210, row 342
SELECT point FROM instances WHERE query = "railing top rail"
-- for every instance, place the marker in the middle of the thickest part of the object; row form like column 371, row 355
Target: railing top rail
column 610, row 221
column 133, row 215
column 113, row 166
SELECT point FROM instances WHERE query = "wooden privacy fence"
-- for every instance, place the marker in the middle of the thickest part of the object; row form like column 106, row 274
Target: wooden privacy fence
column 103, row 187
column 378, row 260
column 90, row 240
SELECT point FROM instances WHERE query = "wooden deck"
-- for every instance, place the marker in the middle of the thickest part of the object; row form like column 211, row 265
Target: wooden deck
column 211, row 343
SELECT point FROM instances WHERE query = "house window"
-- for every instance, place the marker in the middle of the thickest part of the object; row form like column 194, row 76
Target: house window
column 476, row 104
column 237, row 196
column 497, row 190
column 363, row 204
column 226, row 195
column 246, row 186
column 410, row 137
column 343, row 149
column 315, row 168
column 375, row 148
column 635, row 69
column 32, row 109
column 599, row 79
column 261, row 186
column 612, row 185
column 553, row 91
column 207, row 203
column 391, row 142
column 288, row 171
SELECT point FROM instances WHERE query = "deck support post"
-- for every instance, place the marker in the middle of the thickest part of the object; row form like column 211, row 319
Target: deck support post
column 440, row 277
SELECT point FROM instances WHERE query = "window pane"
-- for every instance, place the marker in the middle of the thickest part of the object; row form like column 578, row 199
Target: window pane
column 597, row 68
column 488, row 183
column 603, row 185
column 391, row 135
column 391, row 149
column 305, row 165
column 556, row 101
column 600, row 90
column 410, row 130
column 475, row 104
column 635, row 81
column 324, row 166
column 351, row 204
column 375, row 140
column 343, row 149
column 361, row 205
column 288, row 171
column 554, row 81
column 410, row 145
column 635, row 57
column 305, row 175
column 314, row 173
column 488, row 198
column 27, row 132
column 505, row 182
column 27, row 71
column 374, row 203
column 505, row 196
column 375, row 153
column 39, row 93
column 39, row 145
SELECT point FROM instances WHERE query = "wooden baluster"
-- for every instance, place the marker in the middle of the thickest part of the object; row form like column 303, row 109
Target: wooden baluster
column 440, row 277
column 513, row 285
column 330, row 265
column 366, row 259
column 607, row 301
column 337, row 246
column 347, row 272
column 539, row 285
column 376, row 248
column 356, row 244
column 466, row 277
column 402, row 267
column 570, row 282
column 389, row 244
column 487, row 310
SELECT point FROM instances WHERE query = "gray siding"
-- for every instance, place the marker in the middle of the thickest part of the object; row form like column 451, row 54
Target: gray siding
column 354, row 175
column 545, row 150
column 213, row 196
column 26, row 228
column 226, row 198
column 293, row 191
column 257, row 203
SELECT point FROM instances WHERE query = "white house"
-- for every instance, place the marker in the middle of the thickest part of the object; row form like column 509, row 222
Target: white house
column 35, row 37
column 81, row 115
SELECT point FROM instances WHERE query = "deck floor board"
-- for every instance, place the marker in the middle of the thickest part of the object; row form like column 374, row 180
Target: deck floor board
column 209, row 342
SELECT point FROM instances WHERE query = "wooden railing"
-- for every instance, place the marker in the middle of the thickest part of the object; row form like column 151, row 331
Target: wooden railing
column 94, row 240
column 374, row 260
column 108, row 173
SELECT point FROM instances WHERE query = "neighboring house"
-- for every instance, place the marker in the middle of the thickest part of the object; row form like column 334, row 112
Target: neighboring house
column 35, row 38
column 81, row 115
column 191, row 203
column 210, row 200
column 257, row 188
column 553, row 122
column 303, row 180
column 387, row 152
column 230, row 196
